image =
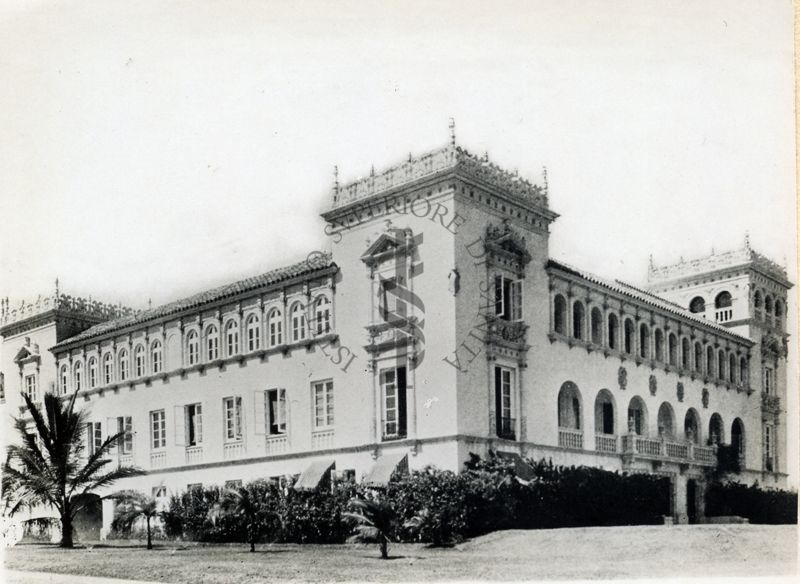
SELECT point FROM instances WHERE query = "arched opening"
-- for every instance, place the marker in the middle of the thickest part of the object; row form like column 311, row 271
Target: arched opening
column 723, row 300
column 298, row 320
column 737, row 436
column 322, row 315
column 698, row 357
column 768, row 304
column 666, row 420
column 778, row 308
column 139, row 360
column 192, row 348
column 156, row 356
column 715, row 429
column 78, row 376
column 123, row 365
column 637, row 416
column 732, row 368
column 710, row 361
column 629, row 332
column 757, row 302
column 691, row 426
column 743, row 373
column 697, row 305
column 212, row 343
column 672, row 349
column 108, row 368
column 659, row 338
column 275, row 327
column 560, row 314
column 613, row 331
column 644, row 341
column 604, row 413
column 578, row 319
column 92, row 373
column 231, row 338
column 569, row 407
column 721, row 364
column 686, row 354
column 597, row 326
column 253, row 333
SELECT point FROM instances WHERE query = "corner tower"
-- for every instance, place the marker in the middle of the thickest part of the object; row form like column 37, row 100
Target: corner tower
column 747, row 292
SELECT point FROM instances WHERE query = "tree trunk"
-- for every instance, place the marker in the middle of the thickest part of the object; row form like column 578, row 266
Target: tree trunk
column 66, row 530
column 252, row 545
column 149, row 539
column 384, row 549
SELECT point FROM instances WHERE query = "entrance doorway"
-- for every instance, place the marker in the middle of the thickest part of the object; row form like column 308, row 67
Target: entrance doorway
column 691, row 500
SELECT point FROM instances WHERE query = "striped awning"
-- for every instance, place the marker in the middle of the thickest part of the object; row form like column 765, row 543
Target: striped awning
column 315, row 474
column 522, row 469
column 385, row 467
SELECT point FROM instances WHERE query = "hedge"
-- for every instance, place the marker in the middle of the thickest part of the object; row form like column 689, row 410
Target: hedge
column 770, row 506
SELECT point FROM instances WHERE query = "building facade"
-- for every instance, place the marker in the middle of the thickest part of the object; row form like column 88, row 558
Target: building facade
column 437, row 326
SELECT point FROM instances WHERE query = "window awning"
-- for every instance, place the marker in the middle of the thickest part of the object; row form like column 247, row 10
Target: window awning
column 383, row 469
column 314, row 474
column 522, row 469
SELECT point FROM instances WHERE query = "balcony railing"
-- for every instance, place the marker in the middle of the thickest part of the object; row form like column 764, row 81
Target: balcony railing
column 277, row 444
column 507, row 428
column 158, row 459
column 233, row 450
column 322, row 439
column 570, row 438
column 723, row 314
column 125, row 459
column 668, row 449
column 605, row 443
column 194, row 454
column 505, row 330
column 770, row 403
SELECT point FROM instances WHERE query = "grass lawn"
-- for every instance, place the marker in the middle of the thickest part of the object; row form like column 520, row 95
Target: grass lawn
column 601, row 552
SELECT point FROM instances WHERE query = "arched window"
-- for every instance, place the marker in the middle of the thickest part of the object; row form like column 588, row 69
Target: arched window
column 723, row 300
column 637, row 416
column 737, row 436
column 644, row 341
column 768, row 304
column 77, row 371
column 192, row 348
column 778, row 312
column 156, row 357
column 673, row 349
column 569, row 407
column 298, row 319
column 597, row 326
column 710, row 361
column 253, row 333
column 231, row 338
column 659, row 345
column 697, row 305
column 691, row 426
column 578, row 320
column 92, row 373
column 322, row 315
column 721, row 364
column 757, row 303
column 108, row 368
column 698, row 357
column 613, row 331
column 666, row 420
column 63, row 380
column 686, row 354
column 629, row 332
column 138, row 358
column 732, row 368
column 560, row 314
column 123, row 364
column 212, row 343
column 743, row 371
column 604, row 413
column 716, row 430
column 275, row 324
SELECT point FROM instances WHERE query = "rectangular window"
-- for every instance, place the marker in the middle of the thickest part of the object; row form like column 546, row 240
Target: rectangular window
column 769, row 448
column 194, row 424
column 125, row 424
column 393, row 390
column 235, row 484
column 503, row 392
column 94, row 437
column 30, row 387
column 769, row 380
column 507, row 298
column 158, row 429
column 233, row 418
column 323, row 404
column 276, row 411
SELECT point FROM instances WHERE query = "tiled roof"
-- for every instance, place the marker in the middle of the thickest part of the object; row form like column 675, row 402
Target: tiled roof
column 644, row 296
column 314, row 263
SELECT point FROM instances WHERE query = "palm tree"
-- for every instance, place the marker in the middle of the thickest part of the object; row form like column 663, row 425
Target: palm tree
column 133, row 505
column 250, row 504
column 373, row 523
column 49, row 467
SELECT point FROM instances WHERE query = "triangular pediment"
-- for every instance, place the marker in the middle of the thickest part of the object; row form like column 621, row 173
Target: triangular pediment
column 25, row 354
column 503, row 237
column 386, row 243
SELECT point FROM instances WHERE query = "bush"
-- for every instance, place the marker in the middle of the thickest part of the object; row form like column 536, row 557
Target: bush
column 315, row 516
column 769, row 506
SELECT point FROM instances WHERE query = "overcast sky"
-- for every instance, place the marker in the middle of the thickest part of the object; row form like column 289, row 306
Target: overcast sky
column 151, row 149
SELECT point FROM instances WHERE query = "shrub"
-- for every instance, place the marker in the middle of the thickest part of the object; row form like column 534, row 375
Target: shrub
column 315, row 516
column 770, row 506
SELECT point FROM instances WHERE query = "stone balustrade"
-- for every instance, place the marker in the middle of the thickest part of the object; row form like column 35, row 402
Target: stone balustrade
column 64, row 302
column 570, row 438
column 668, row 449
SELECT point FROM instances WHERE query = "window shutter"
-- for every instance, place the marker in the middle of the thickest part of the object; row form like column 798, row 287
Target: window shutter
column 499, row 308
column 112, row 425
column 260, row 412
column 282, row 410
column 128, row 427
column 498, row 403
column 89, row 438
column 180, row 426
column 402, row 410
column 516, row 300
column 198, row 431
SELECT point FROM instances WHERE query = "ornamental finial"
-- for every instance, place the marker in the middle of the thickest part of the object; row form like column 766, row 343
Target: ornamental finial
column 544, row 178
column 747, row 240
column 652, row 265
column 56, row 286
column 452, row 127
